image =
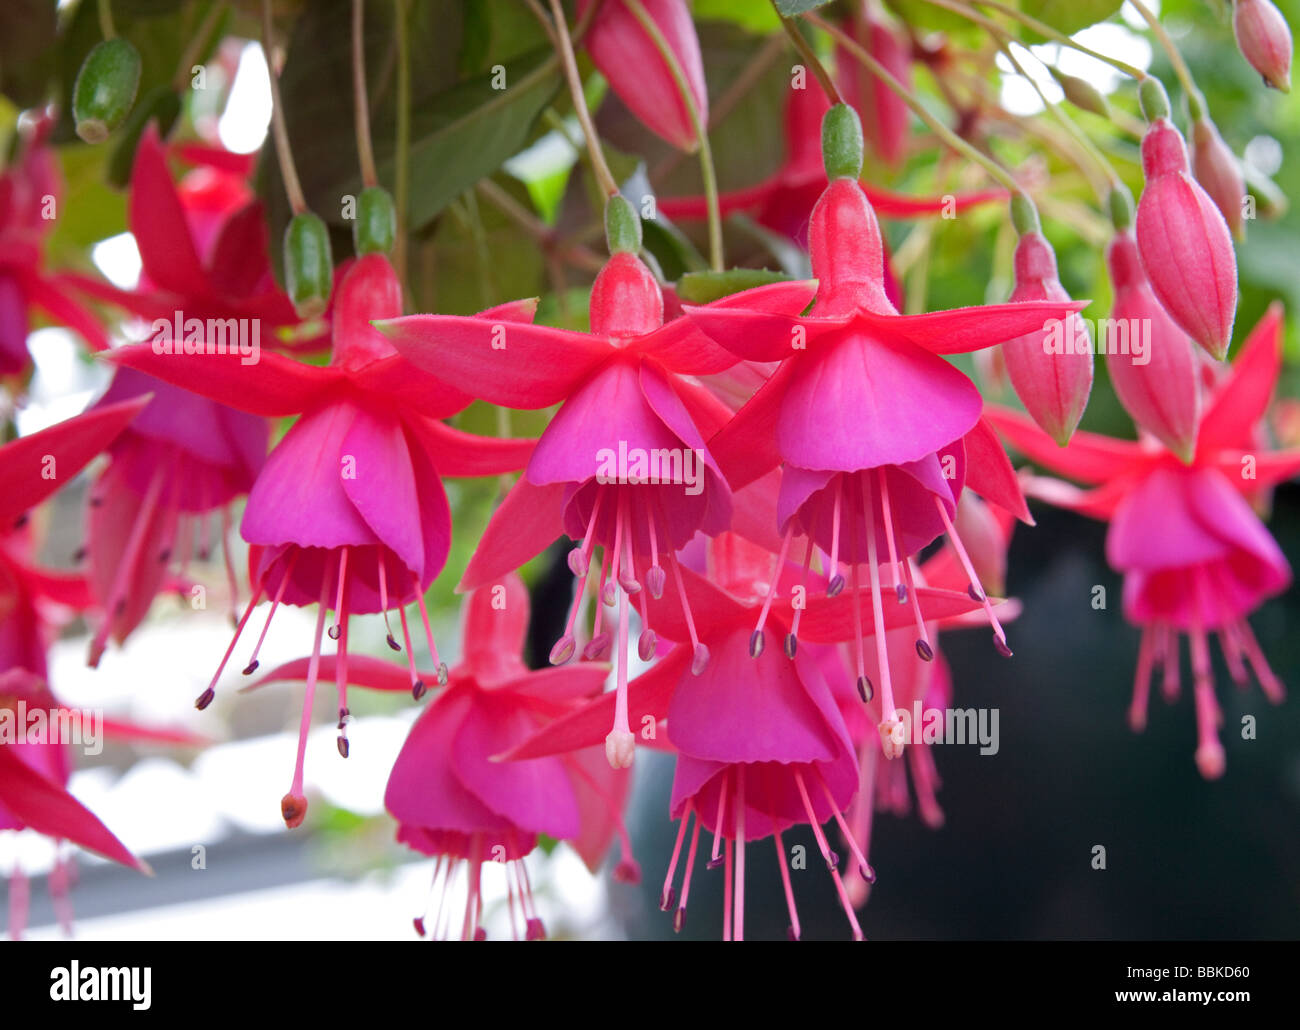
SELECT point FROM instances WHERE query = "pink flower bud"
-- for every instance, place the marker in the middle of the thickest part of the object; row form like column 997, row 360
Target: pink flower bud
column 884, row 115
column 1050, row 369
column 1153, row 365
column 627, row 56
column 1264, row 40
column 1216, row 169
column 1185, row 243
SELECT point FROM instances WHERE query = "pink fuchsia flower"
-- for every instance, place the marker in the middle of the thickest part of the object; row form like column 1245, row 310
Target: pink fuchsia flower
column 871, row 423
column 745, row 770
column 31, row 191
column 349, row 511
column 183, row 459
column 455, row 801
column 1196, row 559
column 1050, row 368
column 193, row 269
column 627, row 55
column 625, row 397
column 1184, row 243
column 884, row 115
column 1264, row 39
column 1160, row 388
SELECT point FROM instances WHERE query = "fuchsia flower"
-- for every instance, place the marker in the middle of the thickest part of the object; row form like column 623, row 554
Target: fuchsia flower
column 1160, row 388
column 783, row 201
column 875, row 429
column 762, row 745
column 625, row 395
column 1050, row 368
column 1185, row 245
column 455, row 801
column 884, row 114
column 349, row 510
column 626, row 54
column 1196, row 559
column 1264, row 39
column 31, row 190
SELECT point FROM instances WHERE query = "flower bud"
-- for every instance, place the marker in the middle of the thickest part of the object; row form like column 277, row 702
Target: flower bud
column 1152, row 363
column 1216, row 168
column 375, row 227
column 1081, row 93
column 884, row 114
column 308, row 264
column 105, row 88
column 1185, row 244
column 1050, row 369
column 626, row 54
column 1264, row 40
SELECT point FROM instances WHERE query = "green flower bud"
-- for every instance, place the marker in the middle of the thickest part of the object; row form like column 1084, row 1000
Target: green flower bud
column 105, row 89
column 308, row 265
column 375, row 227
column 1153, row 98
column 622, row 226
column 1024, row 215
column 842, row 143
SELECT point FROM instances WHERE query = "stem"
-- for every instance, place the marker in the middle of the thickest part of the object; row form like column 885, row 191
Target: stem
column 1194, row 98
column 1043, row 29
column 402, row 167
column 707, row 171
column 809, row 58
column 106, row 28
column 191, row 55
column 608, row 184
column 999, row 174
column 288, row 172
column 360, row 101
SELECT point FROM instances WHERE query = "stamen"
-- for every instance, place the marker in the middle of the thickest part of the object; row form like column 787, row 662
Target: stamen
column 383, row 602
column 232, row 580
column 338, row 598
column 892, row 732
column 679, row 920
column 887, row 517
column 206, row 697
column 293, row 806
column 836, row 582
column 654, row 577
column 925, row 779
column 923, row 647
column 792, row 638
column 417, row 684
column 620, row 745
column 1172, row 685
column 714, row 859
column 864, row 867
column 831, row 861
column 863, row 683
column 1137, row 713
column 580, row 557
column 668, row 896
column 1268, row 681
column 599, row 642
column 627, row 573
column 727, row 889
column 1209, row 751
column 253, row 663
column 438, row 663
column 756, row 638
column 739, row 914
column 976, row 590
column 699, row 651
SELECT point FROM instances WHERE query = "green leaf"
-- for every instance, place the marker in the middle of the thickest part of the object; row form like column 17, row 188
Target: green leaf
column 791, row 8
column 705, row 287
column 757, row 16
column 1069, row 16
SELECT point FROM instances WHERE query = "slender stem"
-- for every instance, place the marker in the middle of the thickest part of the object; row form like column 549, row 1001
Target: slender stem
column 402, row 169
column 1194, row 98
column 809, row 58
column 1044, row 29
column 707, row 170
column 608, row 184
column 360, row 100
column 106, row 28
column 191, row 55
column 288, row 172
column 999, row 174
column 1078, row 135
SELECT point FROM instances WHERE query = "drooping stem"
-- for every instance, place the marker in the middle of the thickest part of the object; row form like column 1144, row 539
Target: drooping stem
column 402, row 171
column 279, row 130
column 810, row 59
column 191, row 55
column 998, row 173
column 105, row 10
column 1195, row 101
column 707, row 171
column 608, row 184
column 1043, row 29
column 360, row 99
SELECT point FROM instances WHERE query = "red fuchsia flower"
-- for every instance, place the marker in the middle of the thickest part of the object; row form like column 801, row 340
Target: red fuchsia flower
column 1185, row 245
column 1218, row 170
column 625, row 399
column 884, row 115
column 627, row 55
column 183, row 459
column 349, row 511
column 761, row 743
column 1050, row 368
column 456, row 802
column 1160, row 387
column 876, row 430
column 191, row 271
column 1264, row 39
column 1195, row 557
column 31, row 190
column 783, row 201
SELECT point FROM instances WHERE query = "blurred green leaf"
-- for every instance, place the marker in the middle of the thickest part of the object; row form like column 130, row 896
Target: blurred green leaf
column 705, row 287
